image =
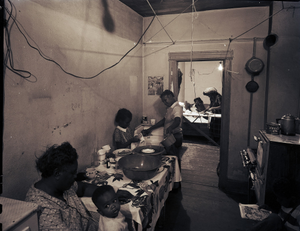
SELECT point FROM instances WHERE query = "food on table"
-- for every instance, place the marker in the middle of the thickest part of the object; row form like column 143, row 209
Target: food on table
column 148, row 150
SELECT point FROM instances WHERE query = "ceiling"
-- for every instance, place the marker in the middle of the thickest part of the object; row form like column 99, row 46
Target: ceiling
column 162, row 7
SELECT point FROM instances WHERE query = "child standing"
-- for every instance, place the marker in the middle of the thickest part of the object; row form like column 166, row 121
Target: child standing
column 108, row 205
column 123, row 135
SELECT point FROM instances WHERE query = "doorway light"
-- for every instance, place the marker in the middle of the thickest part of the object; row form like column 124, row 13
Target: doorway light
column 220, row 67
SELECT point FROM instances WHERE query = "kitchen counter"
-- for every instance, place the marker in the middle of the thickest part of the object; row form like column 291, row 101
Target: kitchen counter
column 295, row 140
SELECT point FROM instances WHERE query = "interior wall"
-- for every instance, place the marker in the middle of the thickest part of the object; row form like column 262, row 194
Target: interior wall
column 50, row 107
column 212, row 32
column 206, row 74
column 284, row 80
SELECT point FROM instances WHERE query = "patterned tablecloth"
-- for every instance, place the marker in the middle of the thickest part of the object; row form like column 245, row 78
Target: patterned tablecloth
column 149, row 195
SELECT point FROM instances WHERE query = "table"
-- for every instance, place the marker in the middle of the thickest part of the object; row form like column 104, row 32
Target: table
column 194, row 118
column 149, row 195
column 18, row 215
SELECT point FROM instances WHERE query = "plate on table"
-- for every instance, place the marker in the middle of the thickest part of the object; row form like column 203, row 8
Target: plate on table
column 122, row 152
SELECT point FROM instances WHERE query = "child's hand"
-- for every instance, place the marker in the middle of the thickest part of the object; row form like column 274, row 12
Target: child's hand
column 146, row 132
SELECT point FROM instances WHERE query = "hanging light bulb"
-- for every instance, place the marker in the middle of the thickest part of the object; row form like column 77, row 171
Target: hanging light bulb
column 220, row 67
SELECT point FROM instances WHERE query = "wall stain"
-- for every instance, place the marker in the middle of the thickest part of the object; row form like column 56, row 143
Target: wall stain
column 58, row 128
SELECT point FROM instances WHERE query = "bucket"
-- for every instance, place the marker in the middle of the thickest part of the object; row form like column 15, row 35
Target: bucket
column 168, row 141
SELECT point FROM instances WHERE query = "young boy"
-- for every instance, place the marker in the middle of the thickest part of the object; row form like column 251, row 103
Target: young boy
column 108, row 205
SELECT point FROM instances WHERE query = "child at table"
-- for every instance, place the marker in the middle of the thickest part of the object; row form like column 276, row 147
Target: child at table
column 108, row 206
column 123, row 135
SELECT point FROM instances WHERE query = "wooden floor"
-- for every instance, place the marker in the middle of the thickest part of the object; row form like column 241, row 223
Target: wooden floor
column 200, row 205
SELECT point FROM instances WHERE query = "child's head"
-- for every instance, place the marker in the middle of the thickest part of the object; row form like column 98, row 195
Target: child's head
column 123, row 118
column 106, row 200
column 199, row 104
column 284, row 189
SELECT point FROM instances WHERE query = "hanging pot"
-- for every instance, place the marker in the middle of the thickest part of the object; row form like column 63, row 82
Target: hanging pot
column 252, row 86
column 254, row 65
column 270, row 40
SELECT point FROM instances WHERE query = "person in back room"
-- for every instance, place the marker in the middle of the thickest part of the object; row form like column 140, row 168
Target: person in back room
column 288, row 218
column 108, row 206
column 199, row 104
column 171, row 123
column 123, row 134
column 215, row 108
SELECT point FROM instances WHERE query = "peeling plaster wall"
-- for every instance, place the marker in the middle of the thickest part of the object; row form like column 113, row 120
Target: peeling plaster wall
column 211, row 31
column 51, row 107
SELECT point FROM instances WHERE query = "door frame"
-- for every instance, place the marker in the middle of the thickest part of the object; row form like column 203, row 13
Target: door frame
column 226, row 57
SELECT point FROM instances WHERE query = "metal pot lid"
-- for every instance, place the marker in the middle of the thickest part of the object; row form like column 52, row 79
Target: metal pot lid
column 288, row 117
column 252, row 86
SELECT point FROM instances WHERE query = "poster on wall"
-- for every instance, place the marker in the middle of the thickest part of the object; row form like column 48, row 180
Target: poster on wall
column 155, row 85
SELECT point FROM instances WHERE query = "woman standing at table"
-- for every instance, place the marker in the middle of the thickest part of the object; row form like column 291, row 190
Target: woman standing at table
column 215, row 108
column 171, row 123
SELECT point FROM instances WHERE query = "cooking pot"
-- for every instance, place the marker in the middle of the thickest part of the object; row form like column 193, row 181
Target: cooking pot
column 140, row 167
column 287, row 125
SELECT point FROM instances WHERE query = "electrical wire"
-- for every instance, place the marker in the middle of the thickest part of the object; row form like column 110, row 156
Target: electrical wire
column 8, row 57
column 271, row 16
column 172, row 20
column 159, row 21
column 192, row 71
column 18, row 24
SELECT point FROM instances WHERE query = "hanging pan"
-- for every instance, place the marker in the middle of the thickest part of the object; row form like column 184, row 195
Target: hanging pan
column 254, row 65
column 252, row 86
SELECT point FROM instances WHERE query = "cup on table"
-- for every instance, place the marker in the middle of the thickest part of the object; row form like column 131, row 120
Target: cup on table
column 106, row 148
column 100, row 157
column 152, row 121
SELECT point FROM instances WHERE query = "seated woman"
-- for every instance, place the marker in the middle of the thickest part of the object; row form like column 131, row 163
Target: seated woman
column 57, row 193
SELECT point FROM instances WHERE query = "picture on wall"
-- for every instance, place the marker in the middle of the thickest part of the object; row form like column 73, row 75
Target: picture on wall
column 155, row 85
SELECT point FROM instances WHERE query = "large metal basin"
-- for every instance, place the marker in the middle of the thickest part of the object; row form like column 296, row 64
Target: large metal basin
column 140, row 167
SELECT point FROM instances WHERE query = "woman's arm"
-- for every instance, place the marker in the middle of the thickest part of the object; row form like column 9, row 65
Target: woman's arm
column 155, row 126
column 85, row 189
column 126, row 144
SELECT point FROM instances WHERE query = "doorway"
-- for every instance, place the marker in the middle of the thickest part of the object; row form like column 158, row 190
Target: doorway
column 195, row 77
column 177, row 59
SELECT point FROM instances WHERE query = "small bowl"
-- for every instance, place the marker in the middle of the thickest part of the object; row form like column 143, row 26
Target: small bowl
column 140, row 167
